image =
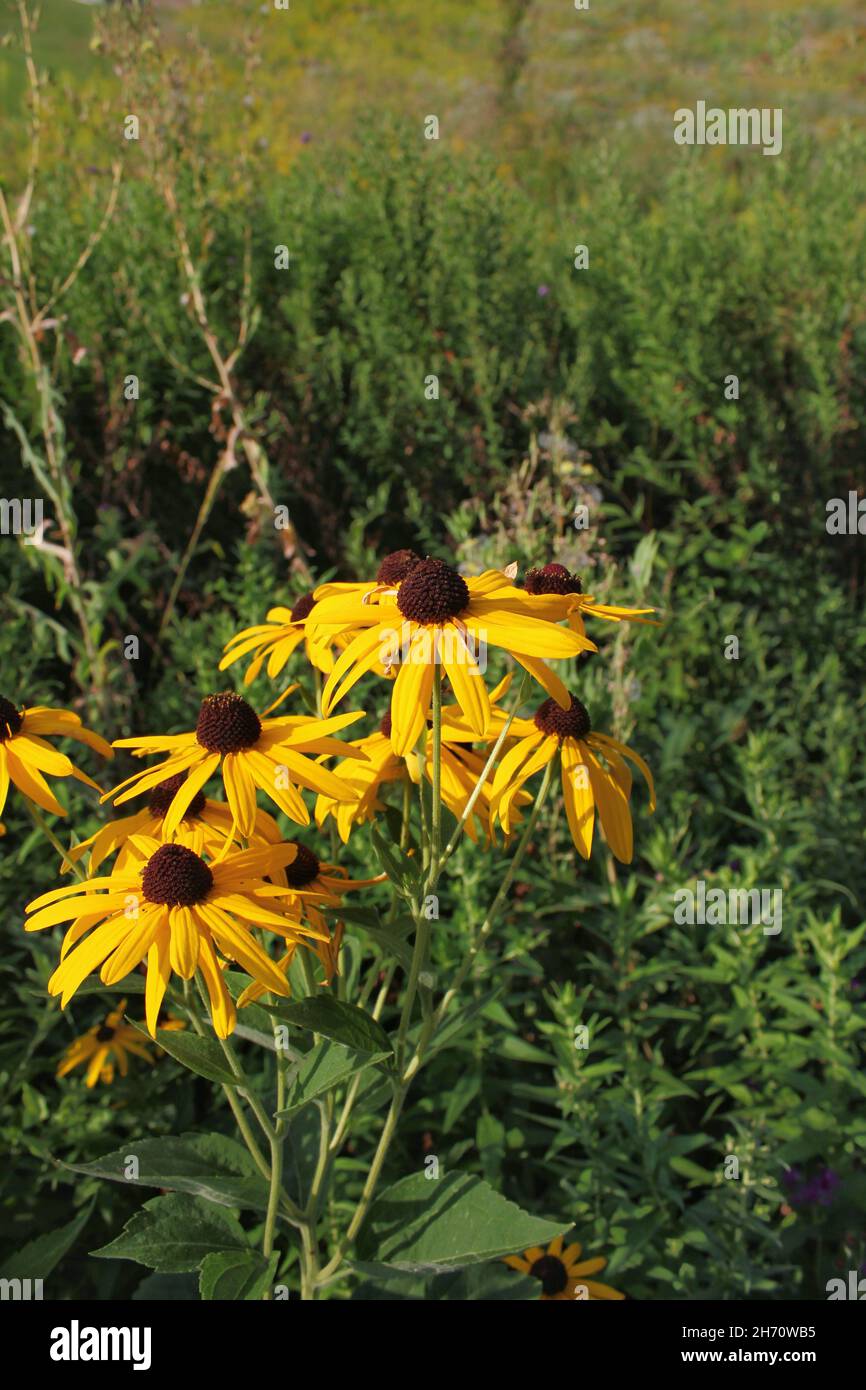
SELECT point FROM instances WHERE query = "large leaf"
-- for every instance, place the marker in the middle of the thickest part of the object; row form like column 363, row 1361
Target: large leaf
column 334, row 1018
column 236, row 1275
column 173, row 1234
column 37, row 1259
column 212, row 1166
column 325, row 1066
column 429, row 1225
column 301, row 1153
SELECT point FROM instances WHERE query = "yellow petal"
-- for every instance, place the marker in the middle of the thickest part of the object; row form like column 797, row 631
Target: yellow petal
column 185, row 942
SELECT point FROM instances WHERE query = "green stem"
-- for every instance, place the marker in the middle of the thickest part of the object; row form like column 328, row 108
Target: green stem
column 370, row 1185
column 351, row 1094
column 234, row 1104
column 273, row 1197
column 490, row 918
column 41, row 824
column 483, row 775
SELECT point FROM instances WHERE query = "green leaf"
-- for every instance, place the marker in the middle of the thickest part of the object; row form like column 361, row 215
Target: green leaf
column 211, row 1166
column 693, row 1171
column 334, row 1018
column 204, row 1056
column 173, row 1234
column 37, row 1259
column 167, row 1288
column 425, row 1225
column 401, row 870
column 325, row 1066
column 236, row 1275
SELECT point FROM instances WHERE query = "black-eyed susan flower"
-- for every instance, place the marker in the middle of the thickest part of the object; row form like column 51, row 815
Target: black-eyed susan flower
column 309, row 886
column 205, row 825
column 170, row 906
column 275, row 640
column 249, row 752
column 556, row 579
column 594, row 774
column 103, row 1045
column 436, row 617
column 562, row 1274
column 26, row 757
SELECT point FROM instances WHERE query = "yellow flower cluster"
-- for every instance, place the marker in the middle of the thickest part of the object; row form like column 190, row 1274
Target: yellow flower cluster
column 196, row 881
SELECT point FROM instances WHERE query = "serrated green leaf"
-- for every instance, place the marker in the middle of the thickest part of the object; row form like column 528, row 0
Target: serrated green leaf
column 173, row 1234
column 334, row 1018
column 236, row 1275
column 211, row 1166
column 204, row 1056
column 325, row 1066
column 38, row 1258
column 424, row 1225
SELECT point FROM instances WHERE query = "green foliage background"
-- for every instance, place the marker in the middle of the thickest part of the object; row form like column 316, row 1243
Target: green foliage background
column 556, row 387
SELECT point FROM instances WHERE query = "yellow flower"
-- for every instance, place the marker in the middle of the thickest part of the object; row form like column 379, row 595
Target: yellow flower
column 436, row 617
column 172, row 908
column 309, row 885
column 562, row 1274
column 594, row 773
column 250, row 752
column 104, row 1044
column 556, row 579
column 275, row 640
column 206, row 825
column 25, row 755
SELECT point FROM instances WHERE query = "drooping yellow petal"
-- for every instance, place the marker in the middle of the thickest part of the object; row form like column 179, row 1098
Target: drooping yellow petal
column 185, row 942
column 410, row 699
column 237, row 943
column 467, row 682
column 40, row 719
column 276, row 784
column 133, row 949
column 612, row 806
column 626, row 752
column 39, row 754
column 86, row 957
column 241, row 792
column 577, row 795
column 158, row 973
column 523, row 636
column 223, row 1013
column 30, row 781
column 547, row 679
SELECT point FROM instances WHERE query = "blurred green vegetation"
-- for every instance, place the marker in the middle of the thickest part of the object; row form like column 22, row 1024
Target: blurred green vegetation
column 533, row 81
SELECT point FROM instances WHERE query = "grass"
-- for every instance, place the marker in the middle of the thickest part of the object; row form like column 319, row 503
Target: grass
column 530, row 79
